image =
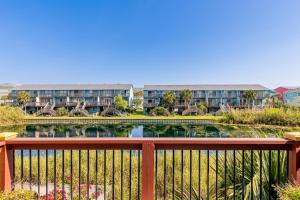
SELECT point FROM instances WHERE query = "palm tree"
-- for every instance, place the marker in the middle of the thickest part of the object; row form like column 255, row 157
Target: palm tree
column 186, row 95
column 250, row 96
column 168, row 100
column 4, row 99
column 23, row 98
column 248, row 172
column 274, row 100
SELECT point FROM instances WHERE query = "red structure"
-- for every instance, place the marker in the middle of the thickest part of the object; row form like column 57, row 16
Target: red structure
column 281, row 90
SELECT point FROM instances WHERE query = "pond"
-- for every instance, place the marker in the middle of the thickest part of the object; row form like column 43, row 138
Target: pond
column 143, row 130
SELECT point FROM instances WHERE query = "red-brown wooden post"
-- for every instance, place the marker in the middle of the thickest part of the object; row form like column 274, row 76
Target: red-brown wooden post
column 6, row 162
column 148, row 171
column 294, row 157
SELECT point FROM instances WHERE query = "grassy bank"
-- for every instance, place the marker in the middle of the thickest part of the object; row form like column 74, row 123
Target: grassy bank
column 268, row 116
column 11, row 116
column 135, row 116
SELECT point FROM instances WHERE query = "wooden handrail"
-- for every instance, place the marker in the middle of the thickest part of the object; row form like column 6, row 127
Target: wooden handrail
column 148, row 147
column 159, row 143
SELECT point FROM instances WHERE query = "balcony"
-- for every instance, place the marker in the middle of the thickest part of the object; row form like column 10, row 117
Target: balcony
column 155, row 167
column 150, row 105
column 60, row 95
column 92, row 103
column 45, row 95
column 71, row 104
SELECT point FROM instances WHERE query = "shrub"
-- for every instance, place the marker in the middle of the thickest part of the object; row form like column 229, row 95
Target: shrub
column 11, row 115
column 202, row 108
column 274, row 116
column 130, row 109
column 18, row 194
column 289, row 192
column 62, row 111
column 120, row 103
column 159, row 111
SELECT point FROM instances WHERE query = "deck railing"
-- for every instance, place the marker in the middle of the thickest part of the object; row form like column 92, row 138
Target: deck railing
column 149, row 168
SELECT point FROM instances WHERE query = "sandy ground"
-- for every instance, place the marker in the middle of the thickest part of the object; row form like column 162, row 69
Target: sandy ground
column 26, row 186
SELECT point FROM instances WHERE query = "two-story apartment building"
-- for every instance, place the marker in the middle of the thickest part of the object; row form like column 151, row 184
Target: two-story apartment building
column 5, row 89
column 92, row 97
column 211, row 95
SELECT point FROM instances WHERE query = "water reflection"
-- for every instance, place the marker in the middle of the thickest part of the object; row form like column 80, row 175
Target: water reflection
column 121, row 130
column 143, row 130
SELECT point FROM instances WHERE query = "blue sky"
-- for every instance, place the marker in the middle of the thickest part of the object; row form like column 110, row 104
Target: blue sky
column 150, row 41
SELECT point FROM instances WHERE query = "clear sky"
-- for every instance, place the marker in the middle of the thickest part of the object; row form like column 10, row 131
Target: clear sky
column 150, row 41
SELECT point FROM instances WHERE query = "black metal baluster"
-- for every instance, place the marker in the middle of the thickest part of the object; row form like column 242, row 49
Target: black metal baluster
column 252, row 172
column 199, row 174
column 46, row 174
column 139, row 173
column 79, row 174
column 96, row 171
column 156, row 175
column 260, row 174
column 234, row 165
column 30, row 169
column 113, row 174
column 130, row 173
column 165, row 167
column 88, row 174
column 243, row 174
column 14, row 168
column 270, row 168
column 191, row 174
column 207, row 175
column 278, row 167
column 62, row 174
column 173, row 174
column 182, row 163
column 39, row 189
column 22, row 168
column 217, row 169
column 225, row 174
column 71, row 174
column 54, row 173
column 121, row 174
column 104, row 173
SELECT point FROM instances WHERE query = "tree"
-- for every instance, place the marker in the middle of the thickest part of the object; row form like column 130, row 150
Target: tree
column 23, row 98
column 168, row 99
column 120, row 103
column 274, row 101
column 4, row 99
column 186, row 95
column 202, row 107
column 138, row 102
column 250, row 96
column 138, row 93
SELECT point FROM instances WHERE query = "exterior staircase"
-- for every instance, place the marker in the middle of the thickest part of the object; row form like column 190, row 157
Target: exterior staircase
column 80, row 110
column 48, row 109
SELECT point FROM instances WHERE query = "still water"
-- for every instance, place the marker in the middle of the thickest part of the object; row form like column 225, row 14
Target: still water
column 142, row 130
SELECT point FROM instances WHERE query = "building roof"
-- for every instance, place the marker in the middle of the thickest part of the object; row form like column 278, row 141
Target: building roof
column 7, row 86
column 207, row 87
column 288, row 87
column 74, row 87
